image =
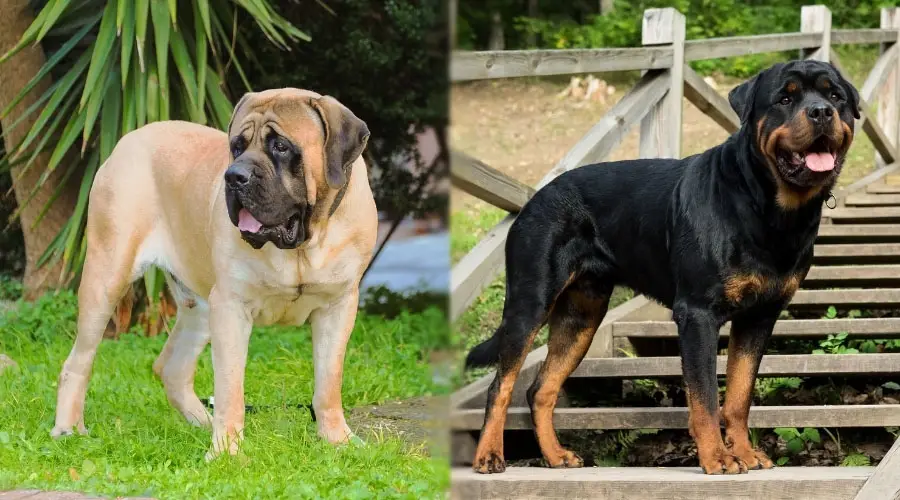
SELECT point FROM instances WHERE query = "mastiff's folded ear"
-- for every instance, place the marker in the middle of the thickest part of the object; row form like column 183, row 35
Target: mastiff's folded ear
column 345, row 138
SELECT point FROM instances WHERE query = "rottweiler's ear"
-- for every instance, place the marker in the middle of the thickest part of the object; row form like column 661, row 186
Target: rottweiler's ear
column 345, row 138
column 237, row 108
column 741, row 98
column 853, row 101
column 852, row 93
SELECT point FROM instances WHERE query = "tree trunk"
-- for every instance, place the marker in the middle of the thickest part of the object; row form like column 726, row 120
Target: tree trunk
column 14, row 75
column 497, row 41
column 531, row 40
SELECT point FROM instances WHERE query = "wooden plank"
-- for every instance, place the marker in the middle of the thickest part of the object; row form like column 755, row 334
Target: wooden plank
column 873, row 177
column 884, row 482
column 880, row 136
column 859, row 36
column 867, row 253
column 659, row 483
column 879, row 73
column 761, row 417
column 794, row 328
column 614, row 126
column 858, row 233
column 852, row 276
column 473, row 395
column 488, row 184
column 478, row 268
column 889, row 93
column 772, row 365
column 880, row 215
column 851, row 298
column 661, row 127
column 715, row 48
column 873, row 200
column 816, row 19
column 883, row 188
column 882, row 142
column 484, row 65
column 482, row 264
column 709, row 101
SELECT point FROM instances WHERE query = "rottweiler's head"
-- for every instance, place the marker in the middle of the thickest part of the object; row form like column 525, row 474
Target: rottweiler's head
column 800, row 116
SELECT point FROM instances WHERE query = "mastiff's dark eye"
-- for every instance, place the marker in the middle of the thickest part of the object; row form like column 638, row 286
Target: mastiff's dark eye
column 786, row 100
column 280, row 146
column 237, row 150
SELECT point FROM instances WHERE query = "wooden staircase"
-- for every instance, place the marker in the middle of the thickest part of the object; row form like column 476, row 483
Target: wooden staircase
column 856, row 266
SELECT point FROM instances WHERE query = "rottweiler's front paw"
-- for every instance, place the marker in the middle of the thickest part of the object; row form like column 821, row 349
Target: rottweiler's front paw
column 755, row 459
column 566, row 460
column 490, row 463
column 723, row 462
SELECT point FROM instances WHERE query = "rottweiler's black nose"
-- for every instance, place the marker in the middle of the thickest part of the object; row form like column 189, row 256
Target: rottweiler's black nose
column 237, row 175
column 820, row 112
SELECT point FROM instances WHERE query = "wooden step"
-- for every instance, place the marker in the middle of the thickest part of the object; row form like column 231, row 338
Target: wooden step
column 762, row 417
column 659, row 483
column 852, row 276
column 858, row 233
column 883, row 189
column 772, row 365
column 870, row 215
column 870, row 200
column 853, row 298
column 789, row 328
column 869, row 253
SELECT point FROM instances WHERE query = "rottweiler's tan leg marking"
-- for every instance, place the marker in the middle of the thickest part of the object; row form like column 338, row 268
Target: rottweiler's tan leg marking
column 576, row 316
column 230, row 326
column 745, row 349
column 704, row 428
column 331, row 329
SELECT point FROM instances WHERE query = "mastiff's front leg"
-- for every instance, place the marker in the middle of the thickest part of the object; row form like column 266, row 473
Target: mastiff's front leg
column 331, row 328
column 230, row 326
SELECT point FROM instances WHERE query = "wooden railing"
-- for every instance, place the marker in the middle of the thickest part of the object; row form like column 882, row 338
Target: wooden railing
column 655, row 103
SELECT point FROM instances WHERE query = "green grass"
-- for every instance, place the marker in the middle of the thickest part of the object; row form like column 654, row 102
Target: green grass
column 139, row 445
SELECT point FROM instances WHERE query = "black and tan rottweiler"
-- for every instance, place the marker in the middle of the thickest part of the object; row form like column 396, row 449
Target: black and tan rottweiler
column 724, row 235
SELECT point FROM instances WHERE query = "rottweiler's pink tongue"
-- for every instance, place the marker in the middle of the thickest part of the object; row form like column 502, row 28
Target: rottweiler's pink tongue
column 820, row 162
column 246, row 222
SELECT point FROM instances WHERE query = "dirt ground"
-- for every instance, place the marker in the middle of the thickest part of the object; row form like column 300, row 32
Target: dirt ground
column 521, row 127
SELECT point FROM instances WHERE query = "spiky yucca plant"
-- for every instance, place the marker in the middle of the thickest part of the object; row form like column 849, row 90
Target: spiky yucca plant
column 115, row 66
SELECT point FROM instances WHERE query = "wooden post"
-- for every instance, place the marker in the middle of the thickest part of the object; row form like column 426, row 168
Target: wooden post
column 817, row 19
column 661, row 128
column 888, row 99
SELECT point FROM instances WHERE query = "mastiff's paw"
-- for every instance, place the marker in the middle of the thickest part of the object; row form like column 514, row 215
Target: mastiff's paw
column 62, row 431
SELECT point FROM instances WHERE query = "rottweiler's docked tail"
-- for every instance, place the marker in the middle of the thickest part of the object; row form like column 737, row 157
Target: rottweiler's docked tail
column 726, row 235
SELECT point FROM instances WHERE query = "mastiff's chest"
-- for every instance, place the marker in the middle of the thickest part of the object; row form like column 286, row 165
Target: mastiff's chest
column 287, row 291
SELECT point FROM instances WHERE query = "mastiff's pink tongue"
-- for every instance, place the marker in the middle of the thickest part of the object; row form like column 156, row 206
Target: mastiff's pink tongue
column 820, row 162
column 247, row 222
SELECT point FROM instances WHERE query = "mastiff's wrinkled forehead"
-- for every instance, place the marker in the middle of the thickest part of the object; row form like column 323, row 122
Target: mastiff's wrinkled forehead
column 293, row 150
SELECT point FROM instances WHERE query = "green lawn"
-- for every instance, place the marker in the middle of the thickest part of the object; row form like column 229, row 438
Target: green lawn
column 139, row 445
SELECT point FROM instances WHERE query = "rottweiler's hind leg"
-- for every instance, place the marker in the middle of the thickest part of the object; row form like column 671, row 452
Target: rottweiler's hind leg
column 575, row 318
column 524, row 313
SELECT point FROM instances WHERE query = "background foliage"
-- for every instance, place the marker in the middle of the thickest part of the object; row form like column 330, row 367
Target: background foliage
column 578, row 25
